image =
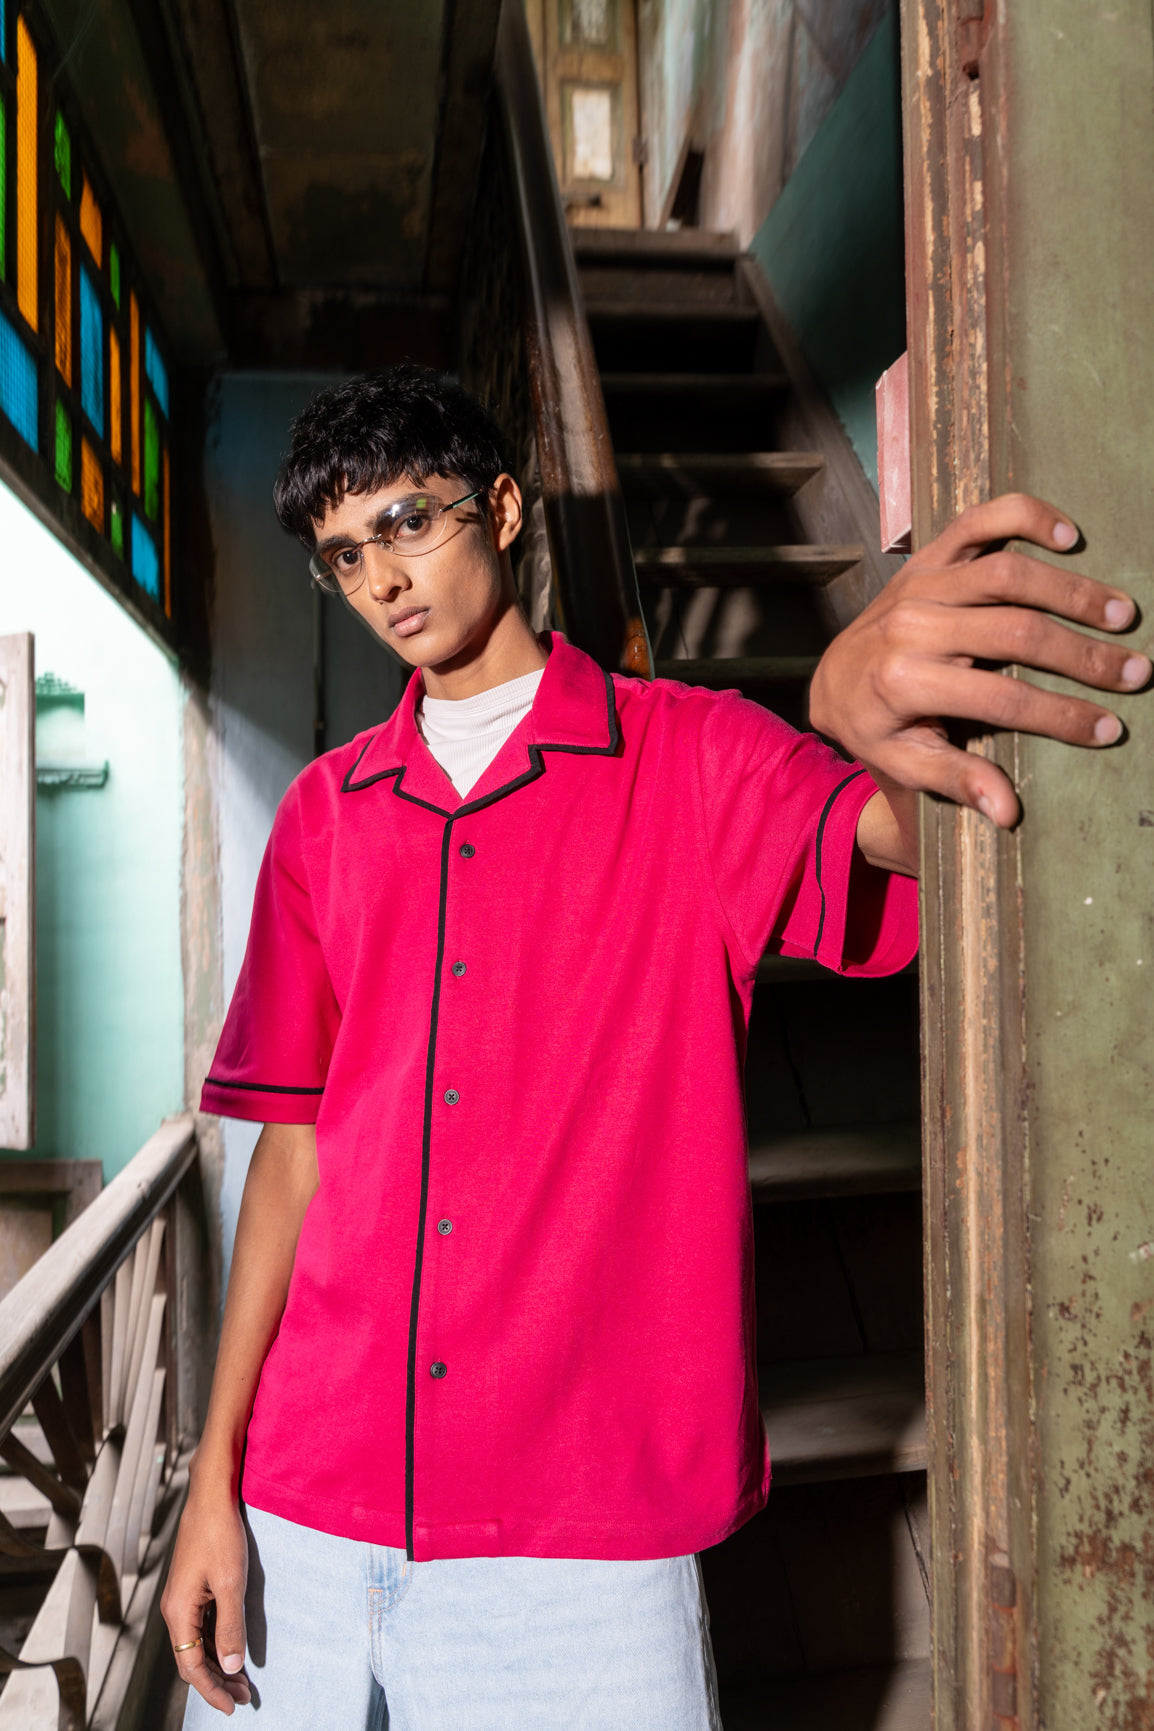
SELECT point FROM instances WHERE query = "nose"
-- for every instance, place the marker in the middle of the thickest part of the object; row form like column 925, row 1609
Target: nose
column 385, row 574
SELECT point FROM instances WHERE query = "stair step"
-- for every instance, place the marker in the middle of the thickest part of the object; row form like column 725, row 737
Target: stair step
column 875, row 1698
column 669, row 411
column 693, row 246
column 844, row 1418
column 696, row 336
column 711, row 474
column 719, row 673
column 861, row 1160
column 717, row 565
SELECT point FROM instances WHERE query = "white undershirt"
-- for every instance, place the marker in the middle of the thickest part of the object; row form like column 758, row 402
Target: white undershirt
column 465, row 734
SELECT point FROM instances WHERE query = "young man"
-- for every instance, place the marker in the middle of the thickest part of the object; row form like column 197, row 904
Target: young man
column 487, row 1351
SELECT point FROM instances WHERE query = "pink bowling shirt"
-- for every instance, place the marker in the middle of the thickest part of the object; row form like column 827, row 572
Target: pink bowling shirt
column 521, row 1313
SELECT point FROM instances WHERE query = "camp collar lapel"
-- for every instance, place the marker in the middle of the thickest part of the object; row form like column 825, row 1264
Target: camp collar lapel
column 573, row 712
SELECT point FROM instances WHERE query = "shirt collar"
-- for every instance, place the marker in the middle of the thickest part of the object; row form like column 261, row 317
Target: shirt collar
column 574, row 711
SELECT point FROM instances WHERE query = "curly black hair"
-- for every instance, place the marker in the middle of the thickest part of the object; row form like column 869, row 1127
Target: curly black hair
column 369, row 431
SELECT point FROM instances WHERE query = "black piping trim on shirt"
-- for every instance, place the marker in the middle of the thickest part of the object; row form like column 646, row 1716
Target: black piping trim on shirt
column 537, row 768
column 826, row 809
column 259, row 1087
column 426, row 1140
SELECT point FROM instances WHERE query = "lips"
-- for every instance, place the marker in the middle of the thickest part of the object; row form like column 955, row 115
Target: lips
column 408, row 621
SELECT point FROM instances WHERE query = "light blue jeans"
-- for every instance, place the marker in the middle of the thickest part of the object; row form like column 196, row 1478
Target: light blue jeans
column 344, row 1636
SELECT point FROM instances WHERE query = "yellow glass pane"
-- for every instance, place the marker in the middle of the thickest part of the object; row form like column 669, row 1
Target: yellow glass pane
column 114, row 409
column 91, row 486
column 91, row 223
column 27, row 270
column 167, row 542
column 63, row 301
column 134, row 386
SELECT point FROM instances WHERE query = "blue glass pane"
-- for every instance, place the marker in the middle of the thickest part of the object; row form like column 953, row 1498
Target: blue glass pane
column 18, row 383
column 145, row 564
column 91, row 351
column 156, row 370
column 3, row 30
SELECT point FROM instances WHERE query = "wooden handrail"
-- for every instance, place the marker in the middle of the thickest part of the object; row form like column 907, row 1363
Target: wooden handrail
column 47, row 1307
column 584, row 511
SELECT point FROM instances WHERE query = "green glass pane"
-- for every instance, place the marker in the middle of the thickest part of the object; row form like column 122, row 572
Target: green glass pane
column 117, row 529
column 3, row 186
column 63, row 448
column 63, row 155
column 151, row 461
column 114, row 272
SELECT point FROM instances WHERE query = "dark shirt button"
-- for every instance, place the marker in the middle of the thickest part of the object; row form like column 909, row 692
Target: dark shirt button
column 459, row 968
column 438, row 1369
column 444, row 1227
column 451, row 1096
column 467, row 850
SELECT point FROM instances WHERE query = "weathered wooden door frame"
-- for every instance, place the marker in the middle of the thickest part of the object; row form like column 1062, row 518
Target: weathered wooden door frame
column 1028, row 149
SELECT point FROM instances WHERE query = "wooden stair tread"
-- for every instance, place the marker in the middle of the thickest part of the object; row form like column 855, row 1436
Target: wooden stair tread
column 858, row 1160
column 893, row 1697
column 697, row 474
column 719, row 673
column 745, row 565
column 631, row 246
column 602, row 310
column 844, row 1418
column 747, row 386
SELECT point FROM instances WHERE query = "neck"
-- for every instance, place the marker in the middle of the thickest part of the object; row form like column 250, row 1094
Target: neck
column 510, row 649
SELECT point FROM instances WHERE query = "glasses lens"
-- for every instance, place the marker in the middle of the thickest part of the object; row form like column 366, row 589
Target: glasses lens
column 415, row 525
column 340, row 570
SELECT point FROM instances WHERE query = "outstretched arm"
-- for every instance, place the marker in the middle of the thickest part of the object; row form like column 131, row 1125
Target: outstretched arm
column 918, row 657
column 210, row 1562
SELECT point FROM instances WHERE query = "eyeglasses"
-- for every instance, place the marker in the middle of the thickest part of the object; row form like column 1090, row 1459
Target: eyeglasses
column 409, row 526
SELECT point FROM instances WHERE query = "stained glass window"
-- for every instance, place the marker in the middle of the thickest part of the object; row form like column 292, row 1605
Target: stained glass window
column 91, row 225
column 19, row 397
column 63, row 321
column 114, row 408
column 145, row 566
column 63, row 154
column 27, row 249
column 91, row 486
column 63, row 447
column 91, row 351
column 84, row 373
column 156, row 370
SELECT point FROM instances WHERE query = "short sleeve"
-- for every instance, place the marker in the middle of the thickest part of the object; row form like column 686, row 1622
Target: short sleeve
column 273, row 1056
column 780, row 811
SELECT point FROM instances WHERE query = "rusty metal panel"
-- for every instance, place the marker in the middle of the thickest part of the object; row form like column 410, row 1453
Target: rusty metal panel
column 1030, row 154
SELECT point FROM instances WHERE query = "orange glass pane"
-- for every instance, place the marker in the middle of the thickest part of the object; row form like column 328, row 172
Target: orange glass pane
column 134, row 386
column 91, row 486
column 167, row 542
column 63, row 301
column 27, row 270
column 91, row 223
column 114, row 409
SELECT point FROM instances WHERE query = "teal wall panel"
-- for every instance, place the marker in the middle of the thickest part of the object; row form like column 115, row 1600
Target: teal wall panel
column 832, row 246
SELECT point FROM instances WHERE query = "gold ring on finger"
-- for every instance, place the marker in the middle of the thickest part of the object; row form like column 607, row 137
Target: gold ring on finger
column 185, row 1645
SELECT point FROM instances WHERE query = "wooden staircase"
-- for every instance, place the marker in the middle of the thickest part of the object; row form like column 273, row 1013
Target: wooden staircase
column 751, row 548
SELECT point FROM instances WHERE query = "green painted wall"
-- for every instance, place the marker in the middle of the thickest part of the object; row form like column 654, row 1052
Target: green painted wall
column 109, row 983
column 832, row 246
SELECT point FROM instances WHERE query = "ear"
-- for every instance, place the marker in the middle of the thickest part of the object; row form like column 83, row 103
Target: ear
column 505, row 511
